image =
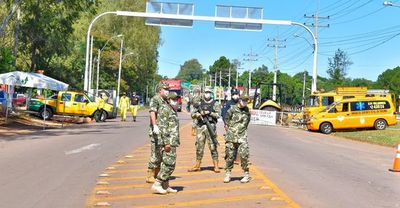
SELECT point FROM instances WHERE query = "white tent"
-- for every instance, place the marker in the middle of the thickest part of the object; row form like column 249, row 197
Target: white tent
column 32, row 80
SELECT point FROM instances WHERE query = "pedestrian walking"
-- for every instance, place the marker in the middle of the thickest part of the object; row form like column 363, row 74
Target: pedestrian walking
column 209, row 111
column 123, row 106
column 156, row 103
column 236, row 142
column 169, row 133
column 134, row 105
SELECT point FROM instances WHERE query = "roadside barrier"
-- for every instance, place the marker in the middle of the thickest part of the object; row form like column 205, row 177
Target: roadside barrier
column 396, row 162
column 277, row 118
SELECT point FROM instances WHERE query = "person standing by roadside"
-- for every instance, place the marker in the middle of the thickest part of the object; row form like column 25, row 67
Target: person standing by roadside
column 134, row 105
column 209, row 110
column 156, row 103
column 195, row 102
column 237, row 122
column 123, row 106
column 169, row 133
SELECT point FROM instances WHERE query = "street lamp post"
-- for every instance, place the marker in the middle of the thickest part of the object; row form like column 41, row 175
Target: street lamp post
column 98, row 62
column 120, row 69
column 389, row 3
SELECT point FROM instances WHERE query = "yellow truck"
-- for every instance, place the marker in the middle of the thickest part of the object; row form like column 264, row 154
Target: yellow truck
column 362, row 112
column 71, row 103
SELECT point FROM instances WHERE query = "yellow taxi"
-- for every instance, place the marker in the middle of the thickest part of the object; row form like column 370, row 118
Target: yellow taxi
column 367, row 112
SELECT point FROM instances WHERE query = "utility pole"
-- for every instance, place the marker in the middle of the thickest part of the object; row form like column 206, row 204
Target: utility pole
column 276, row 44
column 90, row 65
column 210, row 79
column 315, row 25
column 250, row 57
column 220, row 78
column 16, row 37
column 304, row 90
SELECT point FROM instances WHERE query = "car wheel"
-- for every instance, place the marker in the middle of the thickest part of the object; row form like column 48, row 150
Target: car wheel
column 326, row 128
column 46, row 114
column 380, row 124
column 103, row 116
column 97, row 115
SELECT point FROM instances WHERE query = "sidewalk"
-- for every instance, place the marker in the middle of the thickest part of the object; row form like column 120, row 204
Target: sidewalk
column 123, row 183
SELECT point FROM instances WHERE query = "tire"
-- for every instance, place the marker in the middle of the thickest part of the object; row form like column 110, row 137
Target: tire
column 326, row 128
column 103, row 116
column 97, row 115
column 46, row 115
column 380, row 124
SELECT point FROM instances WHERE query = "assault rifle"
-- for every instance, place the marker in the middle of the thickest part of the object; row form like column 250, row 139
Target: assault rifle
column 210, row 129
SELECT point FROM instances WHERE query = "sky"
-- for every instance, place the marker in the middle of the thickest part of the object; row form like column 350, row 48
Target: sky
column 366, row 30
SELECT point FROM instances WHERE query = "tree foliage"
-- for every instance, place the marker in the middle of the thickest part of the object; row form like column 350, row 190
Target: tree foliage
column 222, row 66
column 191, row 70
column 390, row 80
column 338, row 66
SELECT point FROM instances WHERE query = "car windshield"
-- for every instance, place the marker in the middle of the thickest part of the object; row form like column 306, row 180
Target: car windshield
column 313, row 101
column 327, row 108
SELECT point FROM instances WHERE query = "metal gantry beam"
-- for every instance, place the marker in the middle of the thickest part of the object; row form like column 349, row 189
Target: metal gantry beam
column 205, row 18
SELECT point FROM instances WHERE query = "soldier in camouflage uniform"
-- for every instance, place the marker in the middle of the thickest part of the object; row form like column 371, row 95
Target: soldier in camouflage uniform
column 195, row 101
column 237, row 121
column 154, row 132
column 169, row 134
column 207, row 109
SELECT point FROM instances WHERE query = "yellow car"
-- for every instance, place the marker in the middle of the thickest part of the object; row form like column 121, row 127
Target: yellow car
column 368, row 112
column 70, row 103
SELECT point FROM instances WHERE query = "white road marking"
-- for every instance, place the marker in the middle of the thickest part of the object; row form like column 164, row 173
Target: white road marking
column 87, row 147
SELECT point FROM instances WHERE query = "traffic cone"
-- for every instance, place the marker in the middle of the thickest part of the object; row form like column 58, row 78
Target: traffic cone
column 396, row 163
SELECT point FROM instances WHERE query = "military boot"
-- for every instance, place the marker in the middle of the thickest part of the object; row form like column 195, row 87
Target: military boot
column 157, row 187
column 196, row 167
column 246, row 178
column 134, row 118
column 168, row 188
column 150, row 176
column 227, row 178
column 216, row 167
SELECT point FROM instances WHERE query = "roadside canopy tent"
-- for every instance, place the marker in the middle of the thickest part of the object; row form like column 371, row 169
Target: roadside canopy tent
column 32, row 80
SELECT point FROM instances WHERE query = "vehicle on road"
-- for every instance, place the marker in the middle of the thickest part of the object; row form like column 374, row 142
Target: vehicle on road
column 70, row 103
column 175, row 86
column 376, row 112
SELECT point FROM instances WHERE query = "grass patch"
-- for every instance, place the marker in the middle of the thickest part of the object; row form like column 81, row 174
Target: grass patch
column 388, row 137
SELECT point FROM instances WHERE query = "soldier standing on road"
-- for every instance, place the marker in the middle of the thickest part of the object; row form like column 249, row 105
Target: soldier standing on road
column 234, row 100
column 134, row 105
column 195, row 102
column 123, row 106
column 169, row 134
column 207, row 109
column 237, row 121
column 155, row 141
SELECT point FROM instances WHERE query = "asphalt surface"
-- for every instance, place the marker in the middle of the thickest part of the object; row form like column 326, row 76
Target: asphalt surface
column 60, row 168
column 316, row 170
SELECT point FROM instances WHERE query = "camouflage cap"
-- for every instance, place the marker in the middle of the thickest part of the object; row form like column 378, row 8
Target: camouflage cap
column 172, row 95
column 208, row 90
column 244, row 98
column 163, row 85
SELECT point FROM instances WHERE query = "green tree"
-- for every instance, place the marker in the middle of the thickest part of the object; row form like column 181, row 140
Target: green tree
column 338, row 66
column 390, row 80
column 190, row 70
column 222, row 66
column 6, row 60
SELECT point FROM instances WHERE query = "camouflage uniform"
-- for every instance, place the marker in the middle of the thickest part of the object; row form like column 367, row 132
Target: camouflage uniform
column 195, row 102
column 237, row 120
column 169, row 133
column 202, row 133
column 156, row 103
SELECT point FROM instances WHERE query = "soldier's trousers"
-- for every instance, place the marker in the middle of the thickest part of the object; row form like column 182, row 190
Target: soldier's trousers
column 231, row 150
column 201, row 137
column 167, row 165
column 155, row 153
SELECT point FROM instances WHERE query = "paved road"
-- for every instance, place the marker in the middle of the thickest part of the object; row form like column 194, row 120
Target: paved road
column 59, row 168
column 316, row 170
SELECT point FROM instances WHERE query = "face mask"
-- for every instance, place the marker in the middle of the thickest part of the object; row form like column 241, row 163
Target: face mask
column 235, row 97
column 207, row 96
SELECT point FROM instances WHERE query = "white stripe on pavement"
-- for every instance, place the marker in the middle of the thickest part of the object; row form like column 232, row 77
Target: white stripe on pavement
column 87, row 147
